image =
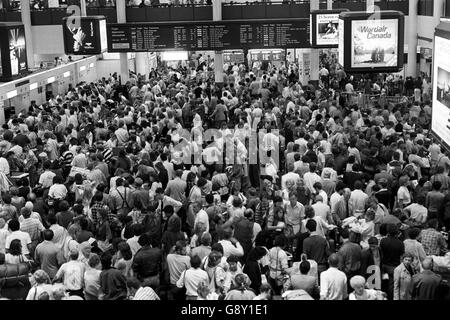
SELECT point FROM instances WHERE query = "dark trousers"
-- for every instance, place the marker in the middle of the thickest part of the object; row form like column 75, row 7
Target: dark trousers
column 388, row 285
column 176, row 293
column 79, row 293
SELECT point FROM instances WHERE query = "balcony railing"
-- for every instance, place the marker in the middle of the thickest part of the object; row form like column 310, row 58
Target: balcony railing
column 231, row 10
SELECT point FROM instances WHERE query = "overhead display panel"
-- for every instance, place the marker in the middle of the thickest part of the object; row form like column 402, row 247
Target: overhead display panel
column 222, row 35
column 84, row 35
column 371, row 42
column 325, row 28
column 440, row 124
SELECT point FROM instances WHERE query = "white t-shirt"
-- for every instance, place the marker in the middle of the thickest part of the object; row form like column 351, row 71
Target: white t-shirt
column 72, row 273
column 3, row 235
column 24, row 238
column 369, row 294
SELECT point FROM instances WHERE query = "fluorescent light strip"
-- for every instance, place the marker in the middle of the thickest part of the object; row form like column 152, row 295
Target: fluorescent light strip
column 91, row 65
column 51, row 80
column 66, row 74
column 33, row 86
column 82, row 68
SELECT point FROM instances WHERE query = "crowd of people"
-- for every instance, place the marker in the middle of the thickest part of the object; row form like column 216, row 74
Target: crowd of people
column 170, row 186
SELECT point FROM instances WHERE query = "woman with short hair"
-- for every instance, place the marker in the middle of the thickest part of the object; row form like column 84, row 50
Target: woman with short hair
column 403, row 276
column 358, row 284
column 42, row 285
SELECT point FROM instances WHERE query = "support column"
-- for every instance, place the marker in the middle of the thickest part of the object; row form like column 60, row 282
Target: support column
column 412, row 39
column 83, row 8
column 26, row 20
column 314, row 59
column 122, row 18
column 329, row 4
column 370, row 5
column 218, row 56
column 2, row 113
column 141, row 64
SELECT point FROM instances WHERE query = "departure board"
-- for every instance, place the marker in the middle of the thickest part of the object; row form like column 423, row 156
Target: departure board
column 221, row 35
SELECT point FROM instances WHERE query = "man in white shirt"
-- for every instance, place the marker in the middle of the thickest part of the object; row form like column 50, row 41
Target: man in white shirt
column 121, row 134
column 333, row 283
column 4, row 166
column 192, row 277
column 4, row 232
column 417, row 211
column 303, row 144
column 138, row 230
column 201, row 217
column 311, row 177
column 168, row 165
column 358, row 199
column 166, row 201
column 46, row 177
column 322, row 210
column 290, row 176
column 72, row 274
column 336, row 196
column 231, row 247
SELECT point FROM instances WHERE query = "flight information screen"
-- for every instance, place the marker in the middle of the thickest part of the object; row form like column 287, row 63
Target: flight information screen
column 222, row 35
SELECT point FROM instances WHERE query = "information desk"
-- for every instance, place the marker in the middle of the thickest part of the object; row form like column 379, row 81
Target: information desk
column 221, row 35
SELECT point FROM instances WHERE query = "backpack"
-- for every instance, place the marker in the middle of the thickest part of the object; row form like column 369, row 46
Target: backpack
column 14, row 275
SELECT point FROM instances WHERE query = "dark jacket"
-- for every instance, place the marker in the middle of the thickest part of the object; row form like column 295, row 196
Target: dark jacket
column 351, row 257
column 316, row 248
column 252, row 268
column 392, row 249
column 147, row 262
column 113, row 284
column 424, row 285
column 367, row 260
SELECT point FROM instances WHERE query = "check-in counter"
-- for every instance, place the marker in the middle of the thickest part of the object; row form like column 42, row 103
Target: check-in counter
column 18, row 94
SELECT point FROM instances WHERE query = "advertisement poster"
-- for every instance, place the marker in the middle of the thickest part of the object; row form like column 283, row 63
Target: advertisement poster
column 327, row 26
column 374, row 43
column 83, row 39
column 17, row 51
column 441, row 90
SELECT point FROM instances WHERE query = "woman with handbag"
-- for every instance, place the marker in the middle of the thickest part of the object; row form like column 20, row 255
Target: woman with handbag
column 15, row 256
column 278, row 264
column 41, row 286
column 192, row 278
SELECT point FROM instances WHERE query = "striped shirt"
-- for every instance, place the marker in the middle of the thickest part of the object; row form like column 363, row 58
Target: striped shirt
column 145, row 293
column 33, row 227
column 107, row 155
column 67, row 158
